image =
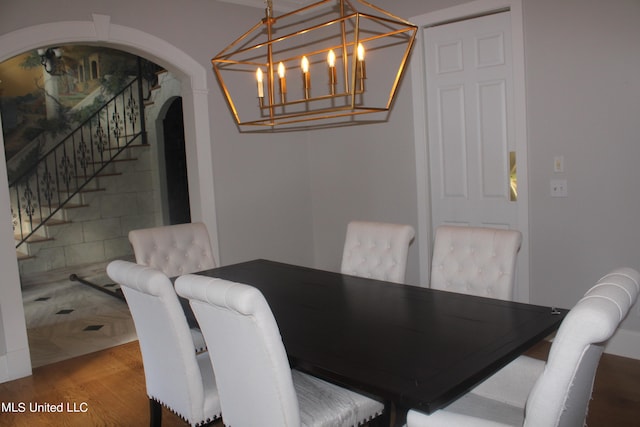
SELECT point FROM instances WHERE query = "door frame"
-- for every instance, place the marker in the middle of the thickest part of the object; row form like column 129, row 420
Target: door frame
column 418, row 70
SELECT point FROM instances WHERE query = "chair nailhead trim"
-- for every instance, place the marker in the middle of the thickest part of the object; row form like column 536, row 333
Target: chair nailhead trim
column 182, row 417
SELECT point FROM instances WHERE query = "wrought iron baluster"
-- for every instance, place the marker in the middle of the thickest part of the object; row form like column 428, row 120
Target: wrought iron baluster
column 100, row 142
column 19, row 210
column 108, row 123
column 141, row 81
column 55, row 168
column 47, row 188
column 123, row 114
column 65, row 169
column 117, row 124
column 14, row 221
column 83, row 158
column 74, row 166
column 29, row 208
column 37, row 194
column 74, row 170
column 88, row 138
column 103, row 135
column 132, row 111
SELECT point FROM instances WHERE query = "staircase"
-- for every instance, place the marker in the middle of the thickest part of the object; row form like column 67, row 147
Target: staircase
column 76, row 206
column 92, row 227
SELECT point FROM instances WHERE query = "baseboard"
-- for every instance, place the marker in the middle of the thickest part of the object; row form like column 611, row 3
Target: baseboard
column 624, row 343
column 14, row 365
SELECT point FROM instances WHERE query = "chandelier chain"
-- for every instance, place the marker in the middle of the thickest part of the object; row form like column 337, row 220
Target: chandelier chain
column 269, row 8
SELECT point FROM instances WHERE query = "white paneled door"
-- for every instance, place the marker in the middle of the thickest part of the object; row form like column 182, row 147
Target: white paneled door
column 472, row 149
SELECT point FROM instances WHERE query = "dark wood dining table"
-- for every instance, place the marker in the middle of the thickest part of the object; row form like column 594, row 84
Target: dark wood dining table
column 411, row 346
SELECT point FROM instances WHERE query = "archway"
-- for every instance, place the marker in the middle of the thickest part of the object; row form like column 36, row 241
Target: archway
column 14, row 351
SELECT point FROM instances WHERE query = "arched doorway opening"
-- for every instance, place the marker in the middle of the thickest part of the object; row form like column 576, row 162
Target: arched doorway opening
column 63, row 265
column 14, row 349
column 175, row 165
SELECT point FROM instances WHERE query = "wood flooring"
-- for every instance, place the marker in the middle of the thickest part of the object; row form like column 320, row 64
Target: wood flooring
column 109, row 387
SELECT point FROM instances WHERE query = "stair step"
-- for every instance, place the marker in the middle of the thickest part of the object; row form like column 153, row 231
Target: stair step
column 75, row 205
column 84, row 190
column 35, row 239
column 50, row 221
column 129, row 146
column 102, row 175
column 70, row 206
column 133, row 159
column 22, row 256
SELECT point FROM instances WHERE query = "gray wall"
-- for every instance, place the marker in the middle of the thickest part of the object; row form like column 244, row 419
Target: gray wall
column 288, row 196
column 363, row 172
column 583, row 89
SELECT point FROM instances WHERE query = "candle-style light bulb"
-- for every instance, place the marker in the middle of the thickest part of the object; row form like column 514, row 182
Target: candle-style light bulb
column 360, row 52
column 304, row 65
column 361, row 70
column 283, row 81
column 259, row 78
column 331, row 60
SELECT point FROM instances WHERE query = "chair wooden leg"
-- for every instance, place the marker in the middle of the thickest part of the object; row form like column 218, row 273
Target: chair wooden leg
column 155, row 413
column 383, row 420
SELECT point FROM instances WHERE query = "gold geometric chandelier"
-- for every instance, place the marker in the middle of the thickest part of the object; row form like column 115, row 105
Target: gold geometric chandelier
column 325, row 64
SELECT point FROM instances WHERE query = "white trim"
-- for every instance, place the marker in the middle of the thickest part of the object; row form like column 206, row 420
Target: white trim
column 424, row 236
column 15, row 361
column 418, row 85
column 195, row 93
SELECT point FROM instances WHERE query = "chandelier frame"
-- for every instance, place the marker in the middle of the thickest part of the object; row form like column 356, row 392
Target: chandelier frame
column 278, row 112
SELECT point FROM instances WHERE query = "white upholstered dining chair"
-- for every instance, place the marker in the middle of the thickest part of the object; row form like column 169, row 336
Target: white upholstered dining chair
column 176, row 249
column 555, row 394
column 256, row 383
column 175, row 376
column 475, row 260
column 376, row 250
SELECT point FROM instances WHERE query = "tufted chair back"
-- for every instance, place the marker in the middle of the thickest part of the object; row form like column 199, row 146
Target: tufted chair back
column 250, row 361
column 560, row 397
column 175, row 376
column 475, row 260
column 174, row 249
column 376, row 250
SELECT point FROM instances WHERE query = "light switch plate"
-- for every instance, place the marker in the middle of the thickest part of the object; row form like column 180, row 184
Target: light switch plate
column 558, row 164
column 558, row 188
